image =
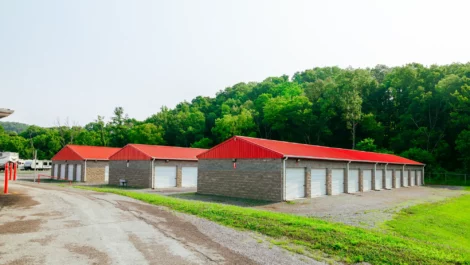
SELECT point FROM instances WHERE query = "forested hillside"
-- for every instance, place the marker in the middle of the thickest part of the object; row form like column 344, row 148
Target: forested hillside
column 10, row 126
column 416, row 111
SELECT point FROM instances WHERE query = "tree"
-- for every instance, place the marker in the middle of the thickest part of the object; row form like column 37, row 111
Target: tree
column 230, row 125
column 147, row 133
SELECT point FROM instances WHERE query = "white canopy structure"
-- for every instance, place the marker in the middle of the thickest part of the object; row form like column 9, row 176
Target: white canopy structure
column 5, row 112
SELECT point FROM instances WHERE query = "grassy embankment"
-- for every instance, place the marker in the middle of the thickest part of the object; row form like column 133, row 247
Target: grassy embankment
column 325, row 240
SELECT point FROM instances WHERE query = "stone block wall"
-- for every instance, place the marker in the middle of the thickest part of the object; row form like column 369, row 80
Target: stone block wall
column 137, row 173
column 251, row 178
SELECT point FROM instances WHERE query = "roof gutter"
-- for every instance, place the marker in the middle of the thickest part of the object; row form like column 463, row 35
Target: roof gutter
column 360, row 161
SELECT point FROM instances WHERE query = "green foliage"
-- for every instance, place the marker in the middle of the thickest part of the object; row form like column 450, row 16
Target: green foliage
column 17, row 127
column 305, row 235
column 399, row 108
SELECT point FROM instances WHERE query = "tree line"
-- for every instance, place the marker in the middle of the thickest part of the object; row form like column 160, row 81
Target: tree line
column 419, row 112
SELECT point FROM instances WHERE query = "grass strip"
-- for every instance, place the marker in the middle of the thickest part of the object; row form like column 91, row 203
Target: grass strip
column 341, row 242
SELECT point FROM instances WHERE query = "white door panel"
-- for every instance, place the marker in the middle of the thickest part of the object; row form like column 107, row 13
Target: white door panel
column 56, row 170
column 318, row 183
column 378, row 180
column 413, row 178
column 353, row 181
column 189, row 176
column 79, row 173
column 406, row 180
column 388, row 179
column 165, row 177
column 366, row 180
column 295, row 183
column 397, row 179
column 62, row 171
column 106, row 174
column 337, row 181
column 419, row 179
column 70, row 173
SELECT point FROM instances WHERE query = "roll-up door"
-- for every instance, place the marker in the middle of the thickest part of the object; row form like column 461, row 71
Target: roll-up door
column 406, row 180
column 165, row 177
column 70, row 173
column 318, row 182
column 353, row 181
column 378, row 179
column 366, row 180
column 388, row 179
column 295, row 183
column 337, row 181
column 397, row 179
column 189, row 176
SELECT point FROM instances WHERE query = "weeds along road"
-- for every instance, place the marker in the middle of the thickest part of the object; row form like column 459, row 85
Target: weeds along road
column 47, row 224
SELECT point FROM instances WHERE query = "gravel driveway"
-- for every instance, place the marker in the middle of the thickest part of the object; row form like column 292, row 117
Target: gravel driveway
column 367, row 209
column 46, row 224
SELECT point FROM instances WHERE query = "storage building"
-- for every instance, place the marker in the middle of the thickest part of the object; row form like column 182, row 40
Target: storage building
column 83, row 163
column 270, row 170
column 155, row 166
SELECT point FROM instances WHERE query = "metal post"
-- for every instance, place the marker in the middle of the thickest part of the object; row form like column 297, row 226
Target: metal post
column 5, row 186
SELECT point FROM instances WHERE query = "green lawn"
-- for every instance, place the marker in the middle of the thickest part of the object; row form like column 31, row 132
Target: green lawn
column 317, row 238
column 447, row 223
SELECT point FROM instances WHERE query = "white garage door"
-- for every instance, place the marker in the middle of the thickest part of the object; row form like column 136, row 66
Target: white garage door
column 378, row 179
column 62, row 171
column 56, row 170
column 165, row 177
column 413, row 178
column 79, row 173
column 388, row 179
column 189, row 176
column 337, row 181
column 366, row 180
column 406, row 180
column 318, row 184
column 397, row 179
column 70, row 173
column 106, row 174
column 418, row 178
column 353, row 181
column 295, row 183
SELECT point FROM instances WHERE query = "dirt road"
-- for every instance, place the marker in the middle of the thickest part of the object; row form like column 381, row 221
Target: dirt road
column 46, row 224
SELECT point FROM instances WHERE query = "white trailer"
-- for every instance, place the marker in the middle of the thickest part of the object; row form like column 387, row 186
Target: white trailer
column 6, row 157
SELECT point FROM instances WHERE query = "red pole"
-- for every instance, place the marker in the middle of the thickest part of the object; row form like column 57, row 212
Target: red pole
column 15, row 166
column 5, row 186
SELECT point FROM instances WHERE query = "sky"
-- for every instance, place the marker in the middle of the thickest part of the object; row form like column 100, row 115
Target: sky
column 74, row 60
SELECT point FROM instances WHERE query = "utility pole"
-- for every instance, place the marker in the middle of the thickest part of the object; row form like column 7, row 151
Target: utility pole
column 35, row 157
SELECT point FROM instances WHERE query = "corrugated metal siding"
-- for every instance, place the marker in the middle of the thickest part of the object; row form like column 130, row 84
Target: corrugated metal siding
column 238, row 148
column 128, row 152
column 66, row 153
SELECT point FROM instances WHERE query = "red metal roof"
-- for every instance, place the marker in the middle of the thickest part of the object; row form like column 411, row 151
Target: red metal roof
column 147, row 152
column 85, row 152
column 247, row 147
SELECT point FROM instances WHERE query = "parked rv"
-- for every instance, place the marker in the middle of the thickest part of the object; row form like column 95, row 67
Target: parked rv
column 39, row 165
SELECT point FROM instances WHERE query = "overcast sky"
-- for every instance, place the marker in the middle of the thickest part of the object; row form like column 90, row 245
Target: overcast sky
column 79, row 59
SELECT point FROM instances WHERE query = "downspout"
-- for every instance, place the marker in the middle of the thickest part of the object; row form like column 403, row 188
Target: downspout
column 386, row 176
column 284, row 176
column 422, row 178
column 403, row 177
column 84, row 171
column 153, row 174
column 375, row 176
